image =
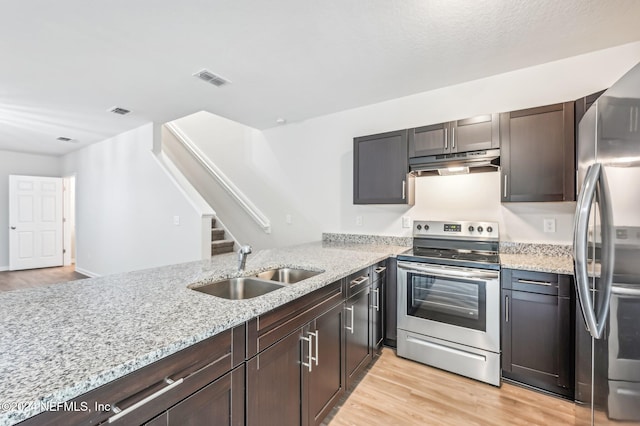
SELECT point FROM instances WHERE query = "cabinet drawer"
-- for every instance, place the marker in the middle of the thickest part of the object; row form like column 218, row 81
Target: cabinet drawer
column 272, row 326
column 357, row 281
column 162, row 384
column 530, row 281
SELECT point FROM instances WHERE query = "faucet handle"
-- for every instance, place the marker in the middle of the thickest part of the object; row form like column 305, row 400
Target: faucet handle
column 245, row 249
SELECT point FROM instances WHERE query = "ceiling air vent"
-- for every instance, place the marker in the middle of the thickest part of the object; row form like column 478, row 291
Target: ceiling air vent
column 211, row 78
column 64, row 139
column 118, row 110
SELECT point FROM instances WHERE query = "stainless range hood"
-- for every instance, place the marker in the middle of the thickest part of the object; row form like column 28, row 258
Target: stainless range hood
column 487, row 160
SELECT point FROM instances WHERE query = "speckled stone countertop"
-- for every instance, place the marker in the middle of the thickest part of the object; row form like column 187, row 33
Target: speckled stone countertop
column 60, row 341
column 552, row 258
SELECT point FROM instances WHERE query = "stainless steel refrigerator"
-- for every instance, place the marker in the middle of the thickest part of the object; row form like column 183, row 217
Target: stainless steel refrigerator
column 607, row 257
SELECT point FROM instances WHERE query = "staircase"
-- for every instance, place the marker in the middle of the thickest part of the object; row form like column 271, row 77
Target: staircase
column 218, row 244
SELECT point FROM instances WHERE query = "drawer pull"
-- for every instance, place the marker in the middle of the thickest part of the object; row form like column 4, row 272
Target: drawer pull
column 121, row 413
column 380, row 269
column 506, row 309
column 359, row 281
column 545, row 283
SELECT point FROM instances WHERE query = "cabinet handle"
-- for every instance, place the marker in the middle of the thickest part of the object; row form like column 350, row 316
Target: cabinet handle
column 350, row 328
column 317, row 358
column 404, row 189
column 535, row 282
column 453, row 138
column 359, row 281
column 121, row 413
column 506, row 309
column 380, row 269
column 309, row 341
column 377, row 292
column 505, row 186
column 446, row 143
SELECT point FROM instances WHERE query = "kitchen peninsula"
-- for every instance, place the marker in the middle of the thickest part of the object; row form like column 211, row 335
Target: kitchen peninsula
column 61, row 341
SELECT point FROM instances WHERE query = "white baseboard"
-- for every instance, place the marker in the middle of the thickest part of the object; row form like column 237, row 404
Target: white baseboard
column 4, row 268
column 87, row 273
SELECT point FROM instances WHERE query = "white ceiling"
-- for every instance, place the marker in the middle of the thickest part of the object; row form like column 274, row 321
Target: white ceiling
column 64, row 63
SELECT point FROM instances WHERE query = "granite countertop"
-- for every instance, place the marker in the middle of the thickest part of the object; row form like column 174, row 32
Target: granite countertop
column 557, row 259
column 60, row 341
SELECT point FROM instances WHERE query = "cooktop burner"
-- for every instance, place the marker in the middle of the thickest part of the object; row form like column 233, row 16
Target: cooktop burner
column 471, row 256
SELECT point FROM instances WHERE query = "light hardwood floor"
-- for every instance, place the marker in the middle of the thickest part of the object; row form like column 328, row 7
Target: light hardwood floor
column 14, row 280
column 397, row 391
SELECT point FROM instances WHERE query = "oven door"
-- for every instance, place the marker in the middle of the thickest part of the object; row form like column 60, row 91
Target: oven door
column 451, row 303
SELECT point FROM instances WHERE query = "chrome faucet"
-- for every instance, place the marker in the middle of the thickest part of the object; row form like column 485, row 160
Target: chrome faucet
column 242, row 257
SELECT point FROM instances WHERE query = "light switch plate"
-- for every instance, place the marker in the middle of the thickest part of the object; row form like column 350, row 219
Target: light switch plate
column 406, row 222
column 176, row 220
column 289, row 219
column 358, row 220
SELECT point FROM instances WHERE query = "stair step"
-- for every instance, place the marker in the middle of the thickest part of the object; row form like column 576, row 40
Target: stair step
column 217, row 234
column 221, row 246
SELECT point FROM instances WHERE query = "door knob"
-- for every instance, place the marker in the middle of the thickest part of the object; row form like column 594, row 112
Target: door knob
column 13, row 227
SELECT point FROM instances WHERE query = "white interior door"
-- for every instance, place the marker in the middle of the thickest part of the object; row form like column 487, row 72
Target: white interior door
column 35, row 221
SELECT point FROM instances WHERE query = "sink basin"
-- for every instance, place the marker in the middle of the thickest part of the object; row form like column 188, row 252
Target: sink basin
column 287, row 275
column 239, row 288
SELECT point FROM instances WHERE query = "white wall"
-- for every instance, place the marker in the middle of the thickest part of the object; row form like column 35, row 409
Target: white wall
column 125, row 207
column 15, row 163
column 305, row 169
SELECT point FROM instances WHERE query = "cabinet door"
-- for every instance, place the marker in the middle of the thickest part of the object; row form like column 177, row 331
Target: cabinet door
column 377, row 313
column 391, row 303
column 325, row 380
column 475, row 133
column 429, row 140
column 535, row 343
column 380, row 169
column 357, row 334
column 219, row 403
column 273, row 384
column 538, row 154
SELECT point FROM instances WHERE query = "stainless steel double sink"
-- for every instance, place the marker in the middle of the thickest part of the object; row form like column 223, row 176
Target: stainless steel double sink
column 265, row 282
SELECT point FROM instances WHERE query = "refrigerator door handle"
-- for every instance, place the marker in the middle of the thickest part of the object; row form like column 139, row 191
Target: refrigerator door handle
column 594, row 186
column 607, row 232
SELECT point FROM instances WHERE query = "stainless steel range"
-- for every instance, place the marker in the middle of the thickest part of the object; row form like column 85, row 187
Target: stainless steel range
column 449, row 298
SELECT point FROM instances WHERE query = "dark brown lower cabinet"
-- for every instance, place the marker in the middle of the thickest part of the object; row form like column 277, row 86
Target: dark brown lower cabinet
column 325, row 384
column 297, row 380
column 537, row 330
column 357, row 335
column 220, row 403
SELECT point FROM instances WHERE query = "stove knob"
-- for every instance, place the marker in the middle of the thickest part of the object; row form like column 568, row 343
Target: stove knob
column 426, row 227
column 419, row 227
column 489, row 229
column 471, row 229
column 480, row 229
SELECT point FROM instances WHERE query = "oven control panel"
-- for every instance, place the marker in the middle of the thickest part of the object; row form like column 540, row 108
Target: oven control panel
column 455, row 229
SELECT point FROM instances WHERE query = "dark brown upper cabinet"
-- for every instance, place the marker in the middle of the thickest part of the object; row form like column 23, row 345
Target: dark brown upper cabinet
column 470, row 134
column 380, row 169
column 538, row 154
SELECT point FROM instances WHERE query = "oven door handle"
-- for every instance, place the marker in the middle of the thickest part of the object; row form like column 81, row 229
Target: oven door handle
column 449, row 272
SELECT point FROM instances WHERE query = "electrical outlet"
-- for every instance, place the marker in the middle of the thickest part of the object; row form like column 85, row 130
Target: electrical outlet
column 176, row 220
column 288, row 219
column 406, row 222
column 358, row 220
column 549, row 225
